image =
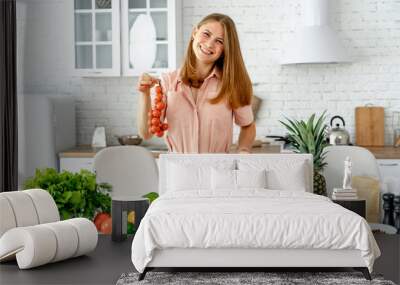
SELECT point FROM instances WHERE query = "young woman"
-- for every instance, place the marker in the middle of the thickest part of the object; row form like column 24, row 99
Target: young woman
column 210, row 91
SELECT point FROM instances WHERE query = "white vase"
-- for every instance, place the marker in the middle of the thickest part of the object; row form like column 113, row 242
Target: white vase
column 142, row 46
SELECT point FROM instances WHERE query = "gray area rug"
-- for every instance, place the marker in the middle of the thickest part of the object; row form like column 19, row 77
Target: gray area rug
column 270, row 278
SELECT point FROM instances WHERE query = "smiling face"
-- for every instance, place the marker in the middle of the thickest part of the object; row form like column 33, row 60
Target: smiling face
column 208, row 42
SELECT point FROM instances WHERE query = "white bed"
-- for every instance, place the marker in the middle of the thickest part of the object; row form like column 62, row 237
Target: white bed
column 214, row 211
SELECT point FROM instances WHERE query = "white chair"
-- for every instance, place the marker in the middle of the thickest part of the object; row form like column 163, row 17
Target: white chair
column 363, row 164
column 131, row 170
column 31, row 231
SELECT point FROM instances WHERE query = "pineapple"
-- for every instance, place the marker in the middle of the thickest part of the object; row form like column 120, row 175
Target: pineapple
column 319, row 184
column 307, row 137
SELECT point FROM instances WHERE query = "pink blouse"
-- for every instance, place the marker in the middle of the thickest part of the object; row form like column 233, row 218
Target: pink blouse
column 199, row 127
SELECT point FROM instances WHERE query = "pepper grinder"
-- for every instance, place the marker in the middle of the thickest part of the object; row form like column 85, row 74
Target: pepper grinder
column 388, row 208
column 396, row 203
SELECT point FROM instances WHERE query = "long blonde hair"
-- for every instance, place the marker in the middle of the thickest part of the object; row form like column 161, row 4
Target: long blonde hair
column 236, row 85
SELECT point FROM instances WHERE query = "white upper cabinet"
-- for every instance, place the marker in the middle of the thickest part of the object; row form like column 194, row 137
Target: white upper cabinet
column 97, row 37
column 111, row 39
column 165, row 15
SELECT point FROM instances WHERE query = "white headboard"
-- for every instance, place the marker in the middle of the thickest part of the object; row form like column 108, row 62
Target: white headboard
column 214, row 158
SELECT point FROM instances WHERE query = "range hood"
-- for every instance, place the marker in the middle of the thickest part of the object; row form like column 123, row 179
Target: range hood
column 315, row 41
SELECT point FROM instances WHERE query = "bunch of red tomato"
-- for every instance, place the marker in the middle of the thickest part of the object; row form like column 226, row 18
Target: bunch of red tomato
column 156, row 127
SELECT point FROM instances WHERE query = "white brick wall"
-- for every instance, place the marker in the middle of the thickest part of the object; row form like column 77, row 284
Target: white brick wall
column 370, row 30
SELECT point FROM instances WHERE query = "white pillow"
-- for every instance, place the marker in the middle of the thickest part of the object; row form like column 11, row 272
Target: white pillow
column 223, row 179
column 251, row 178
column 184, row 175
column 291, row 178
column 282, row 174
column 236, row 179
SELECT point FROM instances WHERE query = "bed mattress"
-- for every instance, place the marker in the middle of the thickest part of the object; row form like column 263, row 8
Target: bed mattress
column 250, row 219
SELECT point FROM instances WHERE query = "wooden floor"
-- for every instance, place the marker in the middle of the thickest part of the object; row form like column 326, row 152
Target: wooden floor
column 388, row 264
column 102, row 266
column 110, row 259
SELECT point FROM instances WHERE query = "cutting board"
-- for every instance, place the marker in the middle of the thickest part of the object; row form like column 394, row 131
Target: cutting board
column 370, row 126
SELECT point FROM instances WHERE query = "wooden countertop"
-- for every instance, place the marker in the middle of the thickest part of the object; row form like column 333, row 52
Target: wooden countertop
column 385, row 152
column 80, row 151
column 88, row 151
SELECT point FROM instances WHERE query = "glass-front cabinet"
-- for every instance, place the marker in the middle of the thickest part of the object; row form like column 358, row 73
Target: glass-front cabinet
column 97, row 37
column 162, row 41
column 125, row 37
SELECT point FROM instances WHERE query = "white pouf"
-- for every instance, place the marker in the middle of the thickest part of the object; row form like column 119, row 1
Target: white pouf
column 23, row 208
column 45, row 206
column 66, row 237
column 32, row 246
column 31, row 233
column 87, row 235
column 7, row 216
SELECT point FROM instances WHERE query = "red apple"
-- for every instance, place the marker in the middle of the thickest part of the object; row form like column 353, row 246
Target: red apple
column 106, row 226
column 100, row 218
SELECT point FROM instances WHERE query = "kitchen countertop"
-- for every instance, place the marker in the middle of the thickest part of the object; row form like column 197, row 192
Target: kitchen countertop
column 80, row 151
column 384, row 152
column 89, row 151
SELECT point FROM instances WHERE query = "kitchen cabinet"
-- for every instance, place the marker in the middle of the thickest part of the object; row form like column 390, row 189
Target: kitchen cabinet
column 166, row 16
column 388, row 159
column 97, row 37
column 77, row 158
column 102, row 36
column 75, row 164
column 390, row 174
column 82, row 157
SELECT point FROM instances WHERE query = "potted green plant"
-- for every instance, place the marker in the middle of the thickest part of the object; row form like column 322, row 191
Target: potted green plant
column 76, row 194
column 310, row 137
column 151, row 196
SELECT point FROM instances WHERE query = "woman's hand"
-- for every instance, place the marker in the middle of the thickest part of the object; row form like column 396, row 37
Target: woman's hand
column 146, row 82
column 246, row 138
column 244, row 150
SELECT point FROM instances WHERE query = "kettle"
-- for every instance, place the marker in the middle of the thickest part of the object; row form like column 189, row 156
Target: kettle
column 338, row 135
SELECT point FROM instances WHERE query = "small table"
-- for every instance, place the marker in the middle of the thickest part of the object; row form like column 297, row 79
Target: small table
column 358, row 206
column 120, row 207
